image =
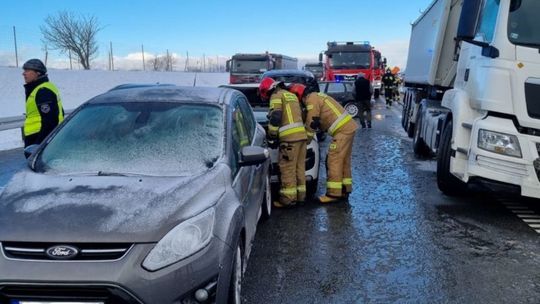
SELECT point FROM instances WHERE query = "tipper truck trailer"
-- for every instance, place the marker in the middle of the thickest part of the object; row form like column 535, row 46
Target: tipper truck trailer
column 472, row 93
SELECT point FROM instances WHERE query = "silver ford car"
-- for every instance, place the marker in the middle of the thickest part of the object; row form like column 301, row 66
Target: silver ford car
column 145, row 194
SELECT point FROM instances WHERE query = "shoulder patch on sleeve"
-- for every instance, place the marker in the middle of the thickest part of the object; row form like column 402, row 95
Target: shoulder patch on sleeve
column 45, row 108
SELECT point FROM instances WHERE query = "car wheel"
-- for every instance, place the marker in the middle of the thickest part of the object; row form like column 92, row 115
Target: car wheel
column 235, row 288
column 267, row 200
column 352, row 108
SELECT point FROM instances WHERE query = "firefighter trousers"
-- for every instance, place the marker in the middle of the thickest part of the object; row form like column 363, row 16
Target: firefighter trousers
column 338, row 165
column 292, row 168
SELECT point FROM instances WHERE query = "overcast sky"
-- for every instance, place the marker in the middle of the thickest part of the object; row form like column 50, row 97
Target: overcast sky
column 216, row 28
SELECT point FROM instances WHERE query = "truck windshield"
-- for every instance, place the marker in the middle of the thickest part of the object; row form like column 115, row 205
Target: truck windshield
column 354, row 60
column 523, row 23
column 249, row 66
column 314, row 69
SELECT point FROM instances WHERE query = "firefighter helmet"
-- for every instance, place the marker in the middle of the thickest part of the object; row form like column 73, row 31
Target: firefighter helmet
column 266, row 86
column 298, row 90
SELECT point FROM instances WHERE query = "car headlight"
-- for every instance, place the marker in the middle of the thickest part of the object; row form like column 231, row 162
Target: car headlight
column 182, row 241
column 500, row 143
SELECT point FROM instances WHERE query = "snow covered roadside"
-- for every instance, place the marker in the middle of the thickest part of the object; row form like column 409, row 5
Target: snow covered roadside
column 78, row 86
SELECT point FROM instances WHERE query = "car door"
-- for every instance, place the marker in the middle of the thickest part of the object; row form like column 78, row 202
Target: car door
column 242, row 135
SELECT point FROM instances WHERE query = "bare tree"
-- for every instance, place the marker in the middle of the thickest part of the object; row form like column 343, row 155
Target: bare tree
column 68, row 32
column 162, row 63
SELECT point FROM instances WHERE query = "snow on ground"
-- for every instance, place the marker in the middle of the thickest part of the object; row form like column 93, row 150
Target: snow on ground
column 78, row 86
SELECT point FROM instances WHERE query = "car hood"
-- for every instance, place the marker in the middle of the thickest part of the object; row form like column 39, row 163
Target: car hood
column 47, row 208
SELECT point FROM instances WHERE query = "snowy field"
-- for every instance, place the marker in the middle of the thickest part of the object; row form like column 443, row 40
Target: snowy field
column 77, row 87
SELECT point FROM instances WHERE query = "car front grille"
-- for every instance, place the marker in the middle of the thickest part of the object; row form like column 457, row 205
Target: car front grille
column 99, row 294
column 85, row 251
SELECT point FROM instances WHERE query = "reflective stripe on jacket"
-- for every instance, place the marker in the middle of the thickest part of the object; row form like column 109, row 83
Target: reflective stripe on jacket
column 291, row 127
column 332, row 116
column 32, row 123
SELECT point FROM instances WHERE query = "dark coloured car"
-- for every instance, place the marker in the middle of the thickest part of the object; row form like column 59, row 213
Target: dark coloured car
column 143, row 195
column 343, row 92
column 294, row 76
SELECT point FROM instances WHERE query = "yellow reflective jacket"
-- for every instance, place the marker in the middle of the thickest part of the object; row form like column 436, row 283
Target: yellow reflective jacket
column 332, row 116
column 32, row 123
column 291, row 126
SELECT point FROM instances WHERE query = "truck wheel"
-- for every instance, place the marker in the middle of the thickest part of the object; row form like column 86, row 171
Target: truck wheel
column 410, row 130
column 405, row 114
column 446, row 181
column 377, row 93
column 419, row 146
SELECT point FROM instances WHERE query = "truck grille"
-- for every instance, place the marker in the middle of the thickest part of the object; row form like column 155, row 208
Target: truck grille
column 84, row 251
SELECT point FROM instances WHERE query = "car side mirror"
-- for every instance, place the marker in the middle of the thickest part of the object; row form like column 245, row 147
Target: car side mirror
column 28, row 151
column 253, row 155
column 228, row 66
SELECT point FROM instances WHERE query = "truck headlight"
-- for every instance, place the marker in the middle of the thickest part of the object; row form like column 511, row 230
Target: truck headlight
column 500, row 143
column 182, row 241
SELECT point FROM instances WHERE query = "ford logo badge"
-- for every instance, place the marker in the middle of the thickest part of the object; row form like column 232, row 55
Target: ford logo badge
column 62, row 252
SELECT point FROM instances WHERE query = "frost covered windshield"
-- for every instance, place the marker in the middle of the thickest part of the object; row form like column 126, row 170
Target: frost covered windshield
column 342, row 60
column 159, row 138
column 524, row 23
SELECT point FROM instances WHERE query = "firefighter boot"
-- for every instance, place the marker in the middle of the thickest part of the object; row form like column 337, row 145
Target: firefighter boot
column 325, row 199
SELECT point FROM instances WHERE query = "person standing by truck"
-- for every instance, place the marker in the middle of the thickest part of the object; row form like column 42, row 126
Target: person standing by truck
column 327, row 115
column 363, row 90
column 389, row 82
column 43, row 105
column 286, row 128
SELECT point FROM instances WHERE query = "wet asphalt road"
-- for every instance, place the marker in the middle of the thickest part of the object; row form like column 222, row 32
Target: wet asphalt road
column 397, row 240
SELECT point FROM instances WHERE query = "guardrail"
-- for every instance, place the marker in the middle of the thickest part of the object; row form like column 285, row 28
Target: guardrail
column 15, row 122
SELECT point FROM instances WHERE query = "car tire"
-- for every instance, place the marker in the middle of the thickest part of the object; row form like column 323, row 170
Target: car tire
column 267, row 199
column 237, row 274
column 352, row 108
column 311, row 189
column 446, row 181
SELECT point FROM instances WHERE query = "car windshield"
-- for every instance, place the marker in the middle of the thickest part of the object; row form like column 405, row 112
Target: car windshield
column 343, row 60
column 523, row 23
column 157, row 138
column 249, row 66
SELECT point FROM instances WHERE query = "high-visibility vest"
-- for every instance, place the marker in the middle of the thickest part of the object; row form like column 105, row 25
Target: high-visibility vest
column 32, row 123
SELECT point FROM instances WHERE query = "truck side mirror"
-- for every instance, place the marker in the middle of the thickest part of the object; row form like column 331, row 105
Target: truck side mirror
column 228, row 66
column 384, row 60
column 320, row 57
column 468, row 21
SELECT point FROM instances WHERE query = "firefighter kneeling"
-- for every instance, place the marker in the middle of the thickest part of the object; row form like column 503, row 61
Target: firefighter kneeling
column 326, row 114
column 286, row 127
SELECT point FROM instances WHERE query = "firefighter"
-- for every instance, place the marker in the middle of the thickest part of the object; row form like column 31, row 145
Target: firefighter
column 286, row 128
column 389, row 82
column 43, row 105
column 327, row 115
column 364, row 91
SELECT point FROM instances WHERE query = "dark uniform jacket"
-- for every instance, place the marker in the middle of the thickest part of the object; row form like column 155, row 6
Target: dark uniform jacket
column 47, row 104
column 363, row 90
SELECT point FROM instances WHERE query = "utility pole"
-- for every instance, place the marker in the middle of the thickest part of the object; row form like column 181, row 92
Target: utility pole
column 143, row 63
column 168, row 61
column 46, row 54
column 112, row 58
column 203, row 62
column 70, row 64
column 186, row 69
column 217, row 63
column 16, row 52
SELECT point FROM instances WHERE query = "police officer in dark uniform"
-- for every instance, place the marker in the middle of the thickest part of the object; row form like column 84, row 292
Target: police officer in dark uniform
column 43, row 105
column 364, row 91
